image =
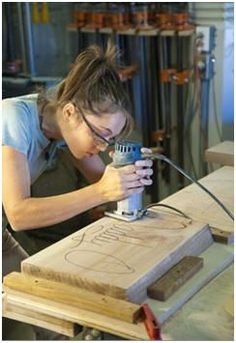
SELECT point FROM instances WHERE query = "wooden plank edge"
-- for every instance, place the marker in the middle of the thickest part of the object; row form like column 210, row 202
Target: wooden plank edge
column 25, row 315
column 70, row 295
column 78, row 316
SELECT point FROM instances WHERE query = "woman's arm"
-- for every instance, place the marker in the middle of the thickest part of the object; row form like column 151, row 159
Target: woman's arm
column 25, row 212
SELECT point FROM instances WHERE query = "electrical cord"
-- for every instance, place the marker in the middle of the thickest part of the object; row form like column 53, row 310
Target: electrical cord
column 167, row 206
column 181, row 171
column 215, row 109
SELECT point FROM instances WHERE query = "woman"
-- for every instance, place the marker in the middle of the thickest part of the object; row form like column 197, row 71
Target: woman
column 85, row 114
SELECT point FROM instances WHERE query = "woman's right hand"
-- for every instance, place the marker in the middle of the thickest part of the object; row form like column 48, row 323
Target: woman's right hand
column 118, row 183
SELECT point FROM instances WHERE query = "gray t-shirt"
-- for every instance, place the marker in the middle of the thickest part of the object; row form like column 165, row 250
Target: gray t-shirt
column 21, row 131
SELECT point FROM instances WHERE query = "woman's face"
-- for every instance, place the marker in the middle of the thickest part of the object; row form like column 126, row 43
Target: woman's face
column 86, row 134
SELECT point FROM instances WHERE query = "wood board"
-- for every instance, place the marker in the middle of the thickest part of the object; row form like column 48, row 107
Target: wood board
column 198, row 205
column 29, row 316
column 222, row 153
column 120, row 259
column 81, row 298
column 48, row 308
column 217, row 257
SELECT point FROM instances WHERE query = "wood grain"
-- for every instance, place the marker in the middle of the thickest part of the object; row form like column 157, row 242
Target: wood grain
column 69, row 295
column 74, row 315
column 171, row 281
column 33, row 317
column 199, row 206
column 120, row 259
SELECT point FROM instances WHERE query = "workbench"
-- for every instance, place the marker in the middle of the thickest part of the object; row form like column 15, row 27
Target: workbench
column 208, row 315
column 186, row 315
column 221, row 154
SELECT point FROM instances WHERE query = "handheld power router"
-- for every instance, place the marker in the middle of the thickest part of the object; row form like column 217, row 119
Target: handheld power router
column 131, row 208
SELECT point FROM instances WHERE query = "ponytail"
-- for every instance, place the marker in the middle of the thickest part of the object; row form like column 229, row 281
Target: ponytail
column 93, row 84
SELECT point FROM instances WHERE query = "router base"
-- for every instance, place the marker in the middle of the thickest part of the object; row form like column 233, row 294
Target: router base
column 124, row 217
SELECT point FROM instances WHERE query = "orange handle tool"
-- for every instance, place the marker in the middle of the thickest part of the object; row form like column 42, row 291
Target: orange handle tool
column 151, row 323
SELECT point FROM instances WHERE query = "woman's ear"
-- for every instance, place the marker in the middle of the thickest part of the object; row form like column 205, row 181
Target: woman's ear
column 69, row 111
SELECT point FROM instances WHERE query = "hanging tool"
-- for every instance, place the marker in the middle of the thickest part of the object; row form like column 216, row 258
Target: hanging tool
column 151, row 323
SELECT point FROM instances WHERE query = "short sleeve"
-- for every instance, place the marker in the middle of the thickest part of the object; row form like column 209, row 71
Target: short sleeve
column 15, row 125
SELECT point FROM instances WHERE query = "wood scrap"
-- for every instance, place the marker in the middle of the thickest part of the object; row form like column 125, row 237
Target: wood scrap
column 171, row 281
column 28, row 316
column 74, row 296
column 221, row 236
column 74, row 315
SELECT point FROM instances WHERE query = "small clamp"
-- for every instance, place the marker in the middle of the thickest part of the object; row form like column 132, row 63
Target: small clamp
column 151, row 323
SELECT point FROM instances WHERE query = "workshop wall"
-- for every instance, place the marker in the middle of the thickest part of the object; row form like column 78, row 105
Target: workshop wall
column 180, row 113
column 221, row 16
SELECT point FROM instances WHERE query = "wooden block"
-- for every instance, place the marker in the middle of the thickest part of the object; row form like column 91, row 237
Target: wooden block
column 120, row 259
column 74, row 315
column 222, row 153
column 25, row 315
column 70, row 295
column 221, row 236
column 163, row 288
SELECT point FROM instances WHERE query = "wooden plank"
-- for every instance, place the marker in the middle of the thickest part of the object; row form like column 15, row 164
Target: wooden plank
column 120, row 259
column 199, row 206
column 28, row 316
column 216, row 258
column 222, row 153
column 75, row 315
column 170, row 282
column 74, row 296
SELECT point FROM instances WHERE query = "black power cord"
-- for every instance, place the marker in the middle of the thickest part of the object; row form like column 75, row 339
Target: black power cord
column 181, row 171
column 166, row 206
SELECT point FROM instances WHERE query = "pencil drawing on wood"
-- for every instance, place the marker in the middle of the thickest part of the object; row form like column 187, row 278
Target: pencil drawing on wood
column 89, row 243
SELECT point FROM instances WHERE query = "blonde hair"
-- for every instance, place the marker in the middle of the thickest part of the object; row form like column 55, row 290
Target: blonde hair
column 93, row 85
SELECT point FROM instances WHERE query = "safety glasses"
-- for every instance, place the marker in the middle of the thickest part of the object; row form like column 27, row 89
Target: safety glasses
column 96, row 135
